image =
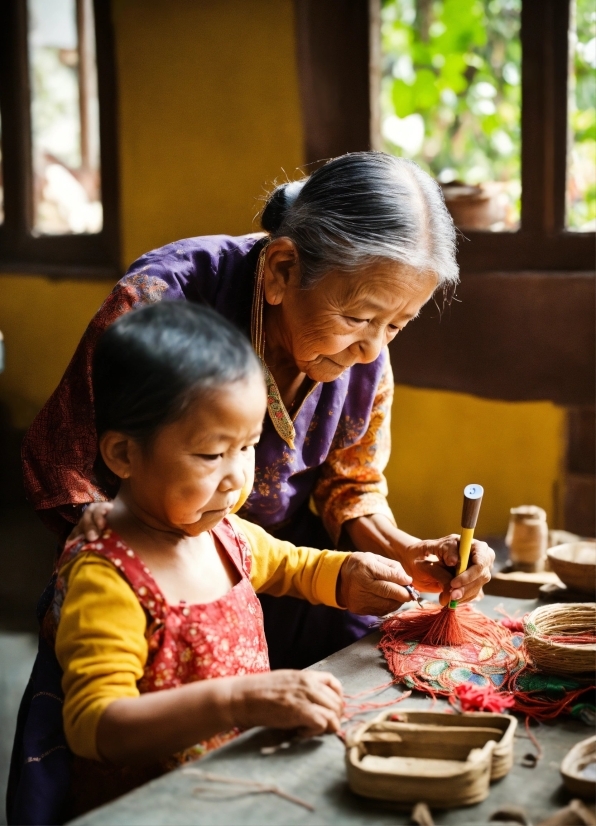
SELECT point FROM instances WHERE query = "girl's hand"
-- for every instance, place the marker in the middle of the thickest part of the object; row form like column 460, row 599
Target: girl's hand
column 309, row 701
column 370, row 584
column 92, row 522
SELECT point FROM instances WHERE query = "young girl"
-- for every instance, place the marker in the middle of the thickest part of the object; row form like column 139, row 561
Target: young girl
column 156, row 625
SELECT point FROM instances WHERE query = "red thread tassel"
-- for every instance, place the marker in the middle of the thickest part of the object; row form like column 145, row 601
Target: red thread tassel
column 445, row 627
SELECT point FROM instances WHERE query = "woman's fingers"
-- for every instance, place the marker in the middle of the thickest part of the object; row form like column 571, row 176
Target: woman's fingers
column 447, row 549
column 92, row 522
column 98, row 520
column 468, row 584
column 464, row 587
column 431, row 576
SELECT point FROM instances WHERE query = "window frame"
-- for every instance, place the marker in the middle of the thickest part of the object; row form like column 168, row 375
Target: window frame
column 340, row 112
column 84, row 255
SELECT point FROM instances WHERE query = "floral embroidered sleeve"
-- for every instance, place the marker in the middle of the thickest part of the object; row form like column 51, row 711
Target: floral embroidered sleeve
column 352, row 482
column 60, row 447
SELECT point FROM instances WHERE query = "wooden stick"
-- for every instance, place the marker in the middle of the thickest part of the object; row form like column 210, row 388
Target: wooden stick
column 471, row 508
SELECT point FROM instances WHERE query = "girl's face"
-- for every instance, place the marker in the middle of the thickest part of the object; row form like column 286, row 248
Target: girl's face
column 192, row 473
column 344, row 319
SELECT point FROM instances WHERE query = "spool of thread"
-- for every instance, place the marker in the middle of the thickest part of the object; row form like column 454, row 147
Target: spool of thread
column 527, row 538
column 561, row 638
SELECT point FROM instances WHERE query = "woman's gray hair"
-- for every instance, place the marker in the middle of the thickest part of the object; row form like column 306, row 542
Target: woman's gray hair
column 362, row 207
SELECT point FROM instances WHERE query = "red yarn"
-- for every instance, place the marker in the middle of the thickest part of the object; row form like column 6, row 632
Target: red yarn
column 585, row 638
column 512, row 623
column 469, row 697
column 515, row 624
column 472, row 659
column 543, row 708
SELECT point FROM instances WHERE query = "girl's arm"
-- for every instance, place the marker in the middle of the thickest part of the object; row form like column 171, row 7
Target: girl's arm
column 156, row 725
column 365, row 583
column 102, row 649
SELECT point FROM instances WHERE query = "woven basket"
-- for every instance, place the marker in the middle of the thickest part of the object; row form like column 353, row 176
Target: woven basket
column 575, row 565
column 557, row 620
column 445, row 760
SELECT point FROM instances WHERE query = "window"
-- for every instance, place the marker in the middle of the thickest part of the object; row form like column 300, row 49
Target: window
column 450, row 100
column 581, row 173
column 58, row 141
column 496, row 99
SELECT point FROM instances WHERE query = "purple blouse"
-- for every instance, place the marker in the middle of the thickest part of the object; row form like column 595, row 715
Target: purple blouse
column 342, row 428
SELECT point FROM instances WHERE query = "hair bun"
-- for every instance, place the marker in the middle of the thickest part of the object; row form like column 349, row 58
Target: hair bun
column 278, row 203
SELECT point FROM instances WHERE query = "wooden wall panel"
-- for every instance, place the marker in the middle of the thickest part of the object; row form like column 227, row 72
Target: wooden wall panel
column 512, row 336
column 332, row 43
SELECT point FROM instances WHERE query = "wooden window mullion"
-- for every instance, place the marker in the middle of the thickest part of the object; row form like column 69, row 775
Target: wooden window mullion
column 545, row 58
column 16, row 143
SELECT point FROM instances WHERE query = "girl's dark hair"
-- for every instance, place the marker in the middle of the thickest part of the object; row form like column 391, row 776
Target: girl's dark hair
column 152, row 362
column 362, row 207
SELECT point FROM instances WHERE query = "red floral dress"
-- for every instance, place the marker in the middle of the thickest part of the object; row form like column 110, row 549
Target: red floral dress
column 185, row 643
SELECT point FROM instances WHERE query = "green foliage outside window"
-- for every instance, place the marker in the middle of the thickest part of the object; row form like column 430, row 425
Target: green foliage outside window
column 451, row 95
column 581, row 183
column 451, row 89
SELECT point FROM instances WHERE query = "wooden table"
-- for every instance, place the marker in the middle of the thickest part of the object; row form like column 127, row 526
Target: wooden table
column 314, row 770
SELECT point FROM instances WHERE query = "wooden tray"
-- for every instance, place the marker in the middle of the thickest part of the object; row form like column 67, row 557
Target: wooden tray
column 519, row 584
column 445, row 760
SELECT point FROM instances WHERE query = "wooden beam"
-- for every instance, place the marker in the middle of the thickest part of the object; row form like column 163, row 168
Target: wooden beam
column 514, row 336
column 332, row 38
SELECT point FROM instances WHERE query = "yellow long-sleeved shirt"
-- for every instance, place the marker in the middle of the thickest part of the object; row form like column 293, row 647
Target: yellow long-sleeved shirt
column 101, row 640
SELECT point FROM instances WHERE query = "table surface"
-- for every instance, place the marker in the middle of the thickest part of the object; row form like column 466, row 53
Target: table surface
column 314, row 770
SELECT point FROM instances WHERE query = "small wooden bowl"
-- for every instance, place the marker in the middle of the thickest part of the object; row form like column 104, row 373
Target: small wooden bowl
column 444, row 760
column 574, row 765
column 576, row 659
column 575, row 564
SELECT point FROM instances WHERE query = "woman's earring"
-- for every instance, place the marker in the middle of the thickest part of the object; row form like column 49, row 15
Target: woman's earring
column 257, row 330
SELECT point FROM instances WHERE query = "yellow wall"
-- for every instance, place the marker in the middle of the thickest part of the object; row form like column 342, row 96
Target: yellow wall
column 209, row 114
column 444, row 441
column 41, row 321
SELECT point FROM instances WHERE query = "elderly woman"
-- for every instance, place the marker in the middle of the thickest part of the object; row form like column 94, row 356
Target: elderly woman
column 349, row 256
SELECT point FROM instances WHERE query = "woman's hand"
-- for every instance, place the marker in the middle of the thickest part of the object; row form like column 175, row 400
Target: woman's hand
column 92, row 522
column 370, row 584
column 309, row 701
column 430, row 563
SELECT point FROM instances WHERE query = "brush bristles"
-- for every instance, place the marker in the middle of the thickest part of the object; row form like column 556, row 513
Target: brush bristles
column 444, row 627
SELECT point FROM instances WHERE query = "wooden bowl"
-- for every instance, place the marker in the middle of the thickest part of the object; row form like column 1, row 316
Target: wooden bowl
column 575, row 564
column 445, row 760
column 579, row 769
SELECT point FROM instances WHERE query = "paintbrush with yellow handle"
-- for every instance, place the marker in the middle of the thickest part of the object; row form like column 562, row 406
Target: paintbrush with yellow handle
column 472, row 501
